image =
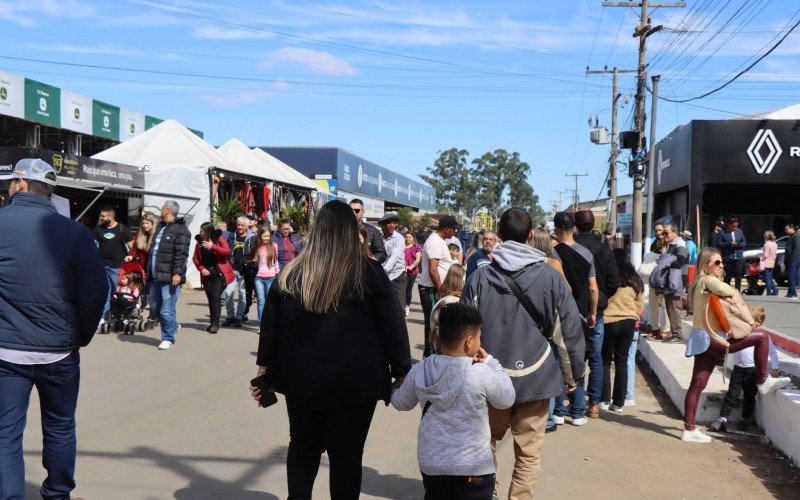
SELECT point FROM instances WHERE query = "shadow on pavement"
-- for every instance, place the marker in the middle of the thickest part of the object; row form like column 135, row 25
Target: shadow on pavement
column 32, row 491
column 138, row 339
column 390, row 485
column 416, row 321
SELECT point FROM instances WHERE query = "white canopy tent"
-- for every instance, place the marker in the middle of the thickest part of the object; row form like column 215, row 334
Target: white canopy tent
column 240, row 154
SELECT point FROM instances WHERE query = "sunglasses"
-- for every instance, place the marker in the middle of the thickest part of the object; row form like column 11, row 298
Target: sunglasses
column 717, row 262
column 356, row 210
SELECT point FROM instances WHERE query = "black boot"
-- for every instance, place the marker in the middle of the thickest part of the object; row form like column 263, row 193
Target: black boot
column 214, row 327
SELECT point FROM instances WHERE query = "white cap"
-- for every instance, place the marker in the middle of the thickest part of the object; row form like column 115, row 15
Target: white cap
column 32, row 169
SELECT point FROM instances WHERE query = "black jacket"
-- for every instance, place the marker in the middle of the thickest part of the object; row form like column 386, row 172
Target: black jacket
column 605, row 267
column 376, row 243
column 343, row 358
column 173, row 252
column 52, row 280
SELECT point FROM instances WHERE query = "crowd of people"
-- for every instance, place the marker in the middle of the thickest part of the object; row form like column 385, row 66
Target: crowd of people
column 515, row 325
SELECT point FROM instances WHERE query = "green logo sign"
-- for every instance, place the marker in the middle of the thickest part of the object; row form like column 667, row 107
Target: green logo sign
column 3, row 93
column 133, row 128
column 76, row 113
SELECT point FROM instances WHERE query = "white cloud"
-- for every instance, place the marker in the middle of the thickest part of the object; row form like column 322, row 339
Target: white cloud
column 230, row 101
column 316, row 61
column 219, row 33
column 91, row 49
column 26, row 14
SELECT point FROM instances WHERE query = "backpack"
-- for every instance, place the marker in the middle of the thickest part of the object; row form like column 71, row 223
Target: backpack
column 659, row 278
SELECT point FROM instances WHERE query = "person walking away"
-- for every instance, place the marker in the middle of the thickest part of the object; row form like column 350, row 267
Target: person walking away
column 142, row 243
column 394, row 265
column 264, row 255
column 375, row 240
column 43, row 327
column 607, row 278
column 436, row 262
column 743, row 379
column 791, row 259
column 673, row 292
column 413, row 258
column 288, row 243
column 769, row 254
column 482, row 256
column 166, row 270
column 212, row 258
column 243, row 240
column 578, row 265
column 658, row 321
column 706, row 351
column 450, row 293
column 731, row 242
column 519, row 340
column 623, row 311
column 454, row 390
column 113, row 240
column 714, row 234
column 343, row 321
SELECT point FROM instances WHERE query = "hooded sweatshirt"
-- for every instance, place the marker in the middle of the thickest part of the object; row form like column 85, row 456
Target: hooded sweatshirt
column 509, row 332
column 454, row 433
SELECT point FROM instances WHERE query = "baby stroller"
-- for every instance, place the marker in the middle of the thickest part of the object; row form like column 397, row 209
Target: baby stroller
column 752, row 276
column 125, row 314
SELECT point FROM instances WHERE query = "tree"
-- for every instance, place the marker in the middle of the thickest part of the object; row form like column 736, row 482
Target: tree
column 450, row 178
column 501, row 181
column 406, row 215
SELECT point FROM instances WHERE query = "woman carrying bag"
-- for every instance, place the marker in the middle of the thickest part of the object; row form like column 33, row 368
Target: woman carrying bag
column 716, row 330
column 211, row 256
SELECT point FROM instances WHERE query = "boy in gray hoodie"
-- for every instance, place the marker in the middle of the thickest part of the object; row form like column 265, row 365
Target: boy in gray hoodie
column 453, row 389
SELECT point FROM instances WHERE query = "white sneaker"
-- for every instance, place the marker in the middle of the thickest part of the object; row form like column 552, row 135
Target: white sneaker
column 616, row 409
column 603, row 406
column 695, row 436
column 630, row 402
column 773, row 384
column 165, row 345
column 408, row 311
column 558, row 420
column 579, row 421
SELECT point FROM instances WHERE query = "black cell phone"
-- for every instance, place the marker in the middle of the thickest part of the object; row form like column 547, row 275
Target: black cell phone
column 268, row 398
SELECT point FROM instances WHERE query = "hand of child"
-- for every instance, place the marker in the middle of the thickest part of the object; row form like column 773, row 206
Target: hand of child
column 398, row 382
column 205, row 272
column 481, row 356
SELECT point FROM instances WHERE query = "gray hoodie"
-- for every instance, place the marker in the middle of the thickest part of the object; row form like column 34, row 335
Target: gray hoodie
column 454, row 433
column 510, row 334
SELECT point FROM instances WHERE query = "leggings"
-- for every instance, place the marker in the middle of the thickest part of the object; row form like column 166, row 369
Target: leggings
column 410, row 287
column 704, row 366
column 213, row 285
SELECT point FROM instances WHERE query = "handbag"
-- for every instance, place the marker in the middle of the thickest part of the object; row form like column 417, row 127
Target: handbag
column 727, row 316
column 762, row 263
column 525, row 301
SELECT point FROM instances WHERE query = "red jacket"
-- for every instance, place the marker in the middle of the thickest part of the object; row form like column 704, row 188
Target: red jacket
column 139, row 256
column 222, row 251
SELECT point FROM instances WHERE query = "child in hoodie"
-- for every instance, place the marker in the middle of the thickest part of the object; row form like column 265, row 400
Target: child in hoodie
column 453, row 389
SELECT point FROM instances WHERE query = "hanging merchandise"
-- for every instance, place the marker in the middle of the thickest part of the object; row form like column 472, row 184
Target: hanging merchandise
column 245, row 196
column 266, row 213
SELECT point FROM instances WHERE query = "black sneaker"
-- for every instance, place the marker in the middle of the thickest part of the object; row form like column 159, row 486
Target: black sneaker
column 548, row 430
column 229, row 322
column 237, row 323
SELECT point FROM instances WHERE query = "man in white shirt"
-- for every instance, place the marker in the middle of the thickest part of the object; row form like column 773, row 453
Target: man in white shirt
column 435, row 264
column 395, row 263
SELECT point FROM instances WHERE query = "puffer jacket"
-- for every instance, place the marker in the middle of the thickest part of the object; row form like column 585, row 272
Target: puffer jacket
column 53, row 283
column 510, row 335
column 173, row 252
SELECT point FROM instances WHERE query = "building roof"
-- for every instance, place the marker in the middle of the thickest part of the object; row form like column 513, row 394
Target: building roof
column 788, row 113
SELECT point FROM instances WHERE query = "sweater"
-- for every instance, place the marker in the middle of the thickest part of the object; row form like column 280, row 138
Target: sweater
column 625, row 304
column 770, row 253
column 454, row 437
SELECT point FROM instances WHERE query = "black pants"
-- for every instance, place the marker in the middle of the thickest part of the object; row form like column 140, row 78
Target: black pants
column 616, row 344
column 458, row 487
column 342, row 433
column 249, row 288
column 427, row 298
column 213, row 286
column 399, row 285
column 734, row 269
column 742, row 379
column 410, row 279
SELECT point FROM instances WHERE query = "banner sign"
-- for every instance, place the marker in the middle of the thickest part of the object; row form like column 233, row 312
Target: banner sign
column 105, row 120
column 131, row 124
column 151, row 121
column 75, row 167
column 42, row 103
column 76, row 112
column 12, row 95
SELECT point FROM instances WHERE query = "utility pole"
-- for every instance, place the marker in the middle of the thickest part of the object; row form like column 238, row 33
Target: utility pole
column 642, row 31
column 612, row 159
column 652, row 161
column 575, row 191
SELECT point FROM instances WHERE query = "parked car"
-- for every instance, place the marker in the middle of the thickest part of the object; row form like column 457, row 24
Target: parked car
column 752, row 253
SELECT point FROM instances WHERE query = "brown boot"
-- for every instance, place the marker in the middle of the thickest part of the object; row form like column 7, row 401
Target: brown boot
column 593, row 410
column 664, row 336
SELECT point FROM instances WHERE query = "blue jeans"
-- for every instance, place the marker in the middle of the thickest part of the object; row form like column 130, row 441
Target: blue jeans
column 772, row 287
column 632, row 364
column 550, row 420
column 262, row 287
column 577, row 402
column 241, row 302
column 163, row 300
column 57, row 385
column 595, row 347
column 792, row 269
column 113, row 278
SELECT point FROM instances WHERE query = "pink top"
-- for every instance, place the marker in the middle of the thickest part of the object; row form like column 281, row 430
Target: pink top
column 265, row 270
column 770, row 254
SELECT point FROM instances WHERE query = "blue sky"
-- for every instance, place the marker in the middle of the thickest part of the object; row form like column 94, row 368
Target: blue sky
column 395, row 82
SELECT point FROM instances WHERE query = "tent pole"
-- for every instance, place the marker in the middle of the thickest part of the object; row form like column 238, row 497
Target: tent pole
column 211, row 193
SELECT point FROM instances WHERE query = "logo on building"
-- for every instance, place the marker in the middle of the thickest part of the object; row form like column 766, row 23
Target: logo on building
column 76, row 112
column 380, row 181
column 360, row 177
column 42, row 104
column 3, row 93
column 764, row 138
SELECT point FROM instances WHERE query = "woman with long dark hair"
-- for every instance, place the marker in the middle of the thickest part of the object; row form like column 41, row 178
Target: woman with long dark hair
column 211, row 257
column 332, row 339
column 264, row 255
column 624, row 309
column 413, row 258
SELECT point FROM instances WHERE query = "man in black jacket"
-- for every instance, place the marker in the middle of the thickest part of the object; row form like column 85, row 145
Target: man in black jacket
column 166, row 270
column 607, row 275
column 375, row 236
column 52, row 289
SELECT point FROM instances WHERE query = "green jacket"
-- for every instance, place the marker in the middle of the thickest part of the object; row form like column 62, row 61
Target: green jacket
column 793, row 246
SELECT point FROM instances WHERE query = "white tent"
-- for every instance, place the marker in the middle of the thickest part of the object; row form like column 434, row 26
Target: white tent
column 239, row 153
column 788, row 113
column 291, row 176
column 179, row 163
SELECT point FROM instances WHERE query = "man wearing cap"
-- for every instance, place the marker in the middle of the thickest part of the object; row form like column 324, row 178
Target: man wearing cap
column 52, row 289
column 714, row 234
column 436, row 262
column 375, row 239
column 691, row 246
column 395, row 263
column 731, row 242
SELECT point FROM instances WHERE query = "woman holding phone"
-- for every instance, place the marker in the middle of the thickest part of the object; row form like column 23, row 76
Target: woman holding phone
column 332, row 339
column 211, row 256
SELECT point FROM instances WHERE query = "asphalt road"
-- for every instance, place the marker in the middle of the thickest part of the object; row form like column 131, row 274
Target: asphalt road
column 181, row 424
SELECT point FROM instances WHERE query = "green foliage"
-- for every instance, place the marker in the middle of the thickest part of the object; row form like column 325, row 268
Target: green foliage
column 406, row 215
column 450, row 178
column 227, row 210
column 425, row 221
column 299, row 216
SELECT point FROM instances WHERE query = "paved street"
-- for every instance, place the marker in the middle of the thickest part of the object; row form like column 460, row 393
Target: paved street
column 180, row 424
column 783, row 315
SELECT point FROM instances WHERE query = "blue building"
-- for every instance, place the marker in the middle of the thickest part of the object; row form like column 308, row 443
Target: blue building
column 350, row 176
